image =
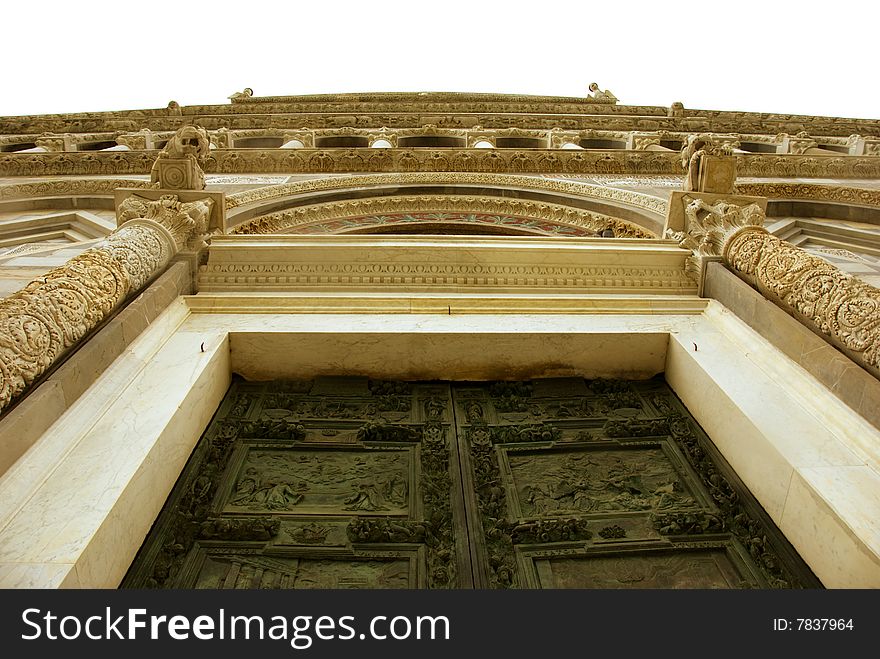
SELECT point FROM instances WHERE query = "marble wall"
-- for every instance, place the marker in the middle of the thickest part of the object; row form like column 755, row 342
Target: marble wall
column 76, row 507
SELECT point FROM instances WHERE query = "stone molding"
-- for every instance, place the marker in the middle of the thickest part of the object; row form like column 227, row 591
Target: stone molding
column 49, row 316
column 270, row 161
column 811, row 191
column 69, row 187
column 282, row 221
column 432, row 263
column 839, row 306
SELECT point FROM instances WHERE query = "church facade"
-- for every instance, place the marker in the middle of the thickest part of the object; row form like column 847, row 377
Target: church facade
column 439, row 340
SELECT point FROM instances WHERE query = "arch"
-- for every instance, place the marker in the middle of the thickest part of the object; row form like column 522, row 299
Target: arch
column 441, row 214
column 636, row 214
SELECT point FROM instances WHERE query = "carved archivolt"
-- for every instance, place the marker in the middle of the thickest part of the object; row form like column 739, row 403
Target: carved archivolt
column 834, row 193
column 643, row 201
column 844, row 308
column 281, row 221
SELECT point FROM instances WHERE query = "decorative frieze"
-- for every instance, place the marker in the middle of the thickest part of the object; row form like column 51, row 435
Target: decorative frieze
column 275, row 161
column 69, row 187
column 811, row 191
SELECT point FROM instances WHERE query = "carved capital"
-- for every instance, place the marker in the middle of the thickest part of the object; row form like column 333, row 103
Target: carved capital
column 186, row 223
column 710, row 222
column 833, row 303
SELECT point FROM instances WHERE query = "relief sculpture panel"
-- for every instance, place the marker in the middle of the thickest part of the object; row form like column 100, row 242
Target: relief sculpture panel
column 553, row 483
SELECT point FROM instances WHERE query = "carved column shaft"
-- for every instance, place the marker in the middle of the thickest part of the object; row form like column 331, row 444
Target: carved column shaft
column 842, row 307
column 41, row 322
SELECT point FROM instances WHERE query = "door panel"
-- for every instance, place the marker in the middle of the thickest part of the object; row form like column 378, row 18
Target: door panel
column 335, row 483
column 351, row 483
column 607, row 484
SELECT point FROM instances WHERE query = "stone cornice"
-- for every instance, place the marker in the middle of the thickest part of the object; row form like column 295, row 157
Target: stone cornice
column 556, row 214
column 69, row 187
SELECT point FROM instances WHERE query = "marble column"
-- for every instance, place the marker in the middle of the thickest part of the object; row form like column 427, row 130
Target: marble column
column 840, row 307
column 831, row 302
column 42, row 322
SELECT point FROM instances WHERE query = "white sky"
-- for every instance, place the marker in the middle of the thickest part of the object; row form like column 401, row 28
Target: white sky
column 798, row 56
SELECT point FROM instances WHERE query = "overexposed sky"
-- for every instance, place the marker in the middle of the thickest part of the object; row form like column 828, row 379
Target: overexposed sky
column 801, row 57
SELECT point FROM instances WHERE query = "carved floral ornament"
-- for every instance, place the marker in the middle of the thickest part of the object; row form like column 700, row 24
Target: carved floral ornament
column 50, row 315
column 549, row 214
column 842, row 307
column 637, row 199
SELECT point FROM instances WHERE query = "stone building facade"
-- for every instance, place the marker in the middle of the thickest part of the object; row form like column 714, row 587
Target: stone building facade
column 674, row 309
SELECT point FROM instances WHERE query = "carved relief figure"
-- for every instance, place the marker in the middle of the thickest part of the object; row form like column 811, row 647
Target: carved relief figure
column 692, row 154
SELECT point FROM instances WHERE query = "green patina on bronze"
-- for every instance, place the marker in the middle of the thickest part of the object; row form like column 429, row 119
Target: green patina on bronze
column 351, row 483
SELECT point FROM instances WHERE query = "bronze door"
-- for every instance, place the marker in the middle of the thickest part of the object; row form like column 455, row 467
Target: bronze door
column 554, row 483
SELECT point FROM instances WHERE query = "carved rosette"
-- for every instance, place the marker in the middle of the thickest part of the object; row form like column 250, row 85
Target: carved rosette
column 840, row 306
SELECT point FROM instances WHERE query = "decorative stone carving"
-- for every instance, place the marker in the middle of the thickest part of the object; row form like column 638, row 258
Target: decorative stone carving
column 50, row 315
column 708, row 228
column 60, row 187
column 801, row 143
column 709, row 164
column 178, row 165
column 187, row 222
column 836, row 193
column 843, row 308
column 599, row 96
column 237, row 96
column 41, row 322
column 289, row 219
column 629, row 197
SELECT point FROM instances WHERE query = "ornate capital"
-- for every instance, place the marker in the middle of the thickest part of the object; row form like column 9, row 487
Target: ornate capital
column 186, row 222
column 709, row 227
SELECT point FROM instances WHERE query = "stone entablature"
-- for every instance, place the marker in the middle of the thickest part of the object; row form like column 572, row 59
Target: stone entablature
column 342, row 160
column 522, row 138
column 508, row 264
